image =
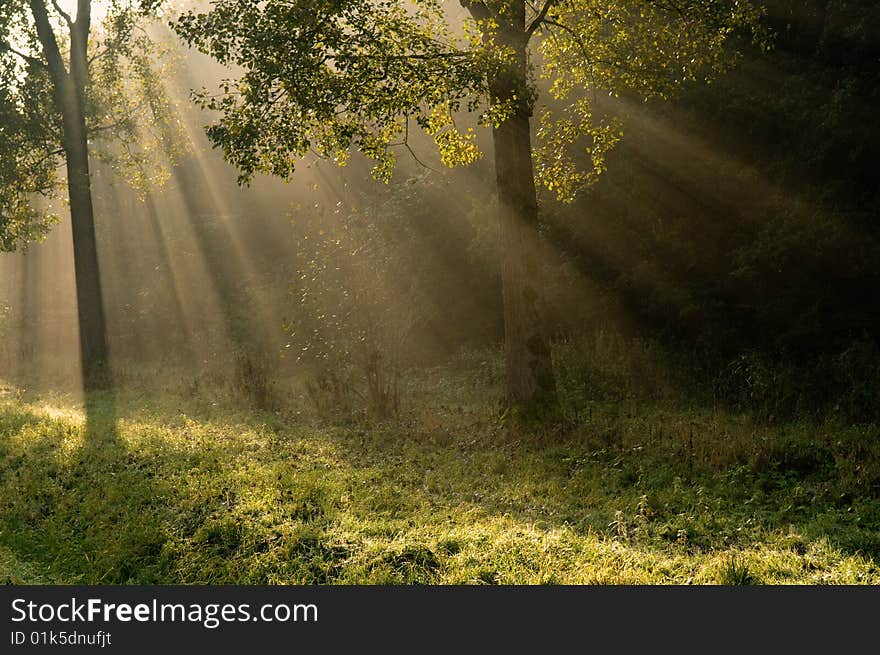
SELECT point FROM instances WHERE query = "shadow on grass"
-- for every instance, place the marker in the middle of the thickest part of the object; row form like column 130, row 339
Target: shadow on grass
column 77, row 502
column 101, row 432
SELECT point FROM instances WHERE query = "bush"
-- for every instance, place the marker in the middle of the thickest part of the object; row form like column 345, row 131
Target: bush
column 359, row 301
column 253, row 372
column 611, row 368
column 845, row 385
column 608, row 368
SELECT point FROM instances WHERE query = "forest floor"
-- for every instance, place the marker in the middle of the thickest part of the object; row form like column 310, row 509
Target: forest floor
column 148, row 488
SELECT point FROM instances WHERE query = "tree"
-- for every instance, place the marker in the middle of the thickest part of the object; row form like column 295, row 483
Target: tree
column 60, row 93
column 332, row 76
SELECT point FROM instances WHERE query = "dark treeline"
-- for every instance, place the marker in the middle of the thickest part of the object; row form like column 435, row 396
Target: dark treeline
column 739, row 224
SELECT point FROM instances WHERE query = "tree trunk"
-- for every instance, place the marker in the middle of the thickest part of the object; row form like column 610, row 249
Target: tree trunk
column 530, row 381
column 90, row 301
column 70, row 95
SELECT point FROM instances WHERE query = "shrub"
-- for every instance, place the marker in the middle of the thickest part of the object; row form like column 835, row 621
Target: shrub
column 608, row 367
column 358, row 302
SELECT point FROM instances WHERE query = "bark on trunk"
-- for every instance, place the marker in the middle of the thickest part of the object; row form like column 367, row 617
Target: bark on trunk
column 530, row 379
column 70, row 93
column 90, row 301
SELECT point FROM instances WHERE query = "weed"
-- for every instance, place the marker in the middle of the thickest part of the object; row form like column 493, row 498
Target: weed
column 735, row 571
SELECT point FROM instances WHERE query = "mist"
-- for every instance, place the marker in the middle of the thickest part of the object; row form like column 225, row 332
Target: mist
column 334, row 377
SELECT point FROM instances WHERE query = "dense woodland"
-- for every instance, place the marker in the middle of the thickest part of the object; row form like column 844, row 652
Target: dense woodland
column 309, row 379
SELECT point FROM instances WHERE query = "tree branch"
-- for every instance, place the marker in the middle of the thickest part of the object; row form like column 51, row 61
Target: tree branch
column 51, row 51
column 535, row 24
column 67, row 17
column 46, row 156
column 34, row 61
column 585, row 51
column 84, row 15
column 405, row 144
column 477, row 9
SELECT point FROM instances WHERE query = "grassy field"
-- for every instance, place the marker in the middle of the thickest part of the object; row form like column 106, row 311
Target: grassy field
column 162, row 488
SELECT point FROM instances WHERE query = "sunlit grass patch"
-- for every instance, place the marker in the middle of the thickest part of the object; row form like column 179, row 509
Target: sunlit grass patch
column 137, row 489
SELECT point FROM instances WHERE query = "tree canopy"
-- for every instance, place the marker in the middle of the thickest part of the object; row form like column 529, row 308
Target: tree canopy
column 29, row 135
column 128, row 116
column 334, row 76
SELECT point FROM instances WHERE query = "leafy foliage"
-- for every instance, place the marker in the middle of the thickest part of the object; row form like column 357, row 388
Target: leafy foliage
column 335, row 76
column 128, row 114
column 133, row 117
column 360, row 298
column 650, row 49
column 29, row 138
column 330, row 76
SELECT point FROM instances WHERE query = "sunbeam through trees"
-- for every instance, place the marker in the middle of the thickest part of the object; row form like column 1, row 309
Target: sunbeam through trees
column 439, row 292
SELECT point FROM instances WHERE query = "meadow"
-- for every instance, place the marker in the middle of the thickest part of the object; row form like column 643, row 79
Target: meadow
column 139, row 487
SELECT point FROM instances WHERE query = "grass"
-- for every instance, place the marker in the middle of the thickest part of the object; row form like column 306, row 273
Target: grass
column 165, row 488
